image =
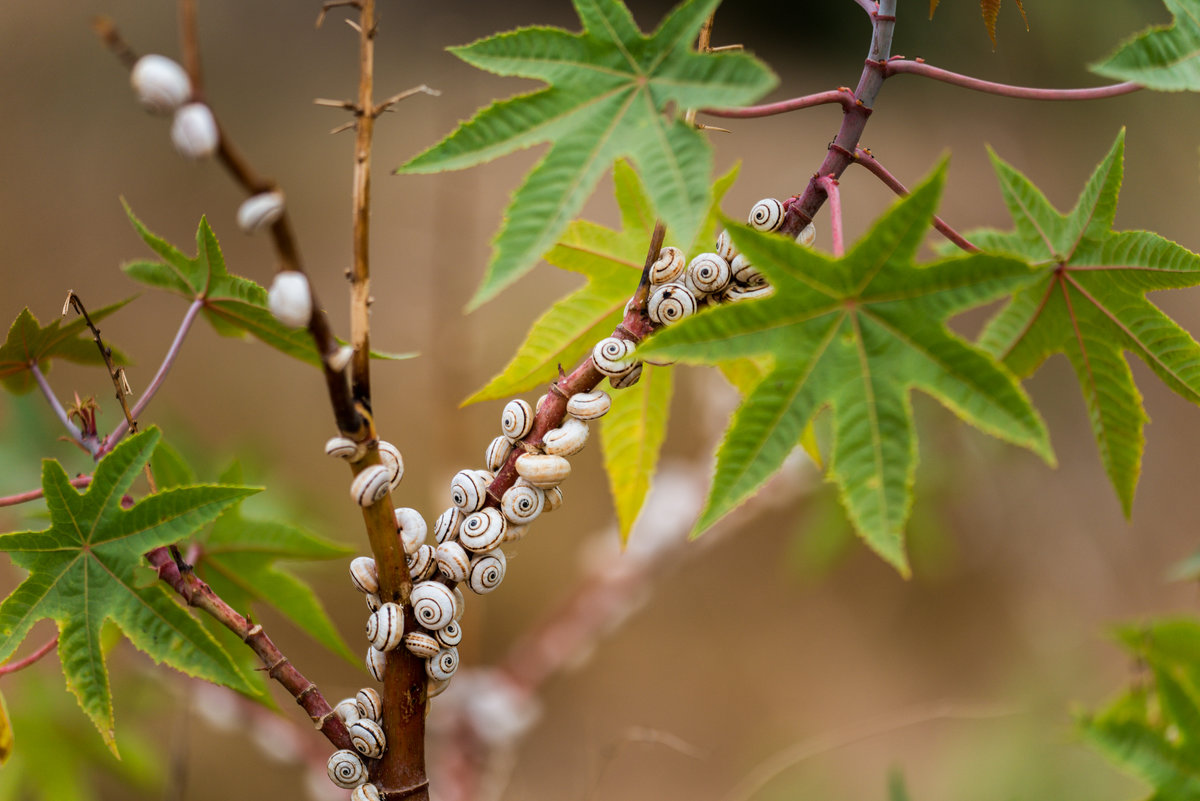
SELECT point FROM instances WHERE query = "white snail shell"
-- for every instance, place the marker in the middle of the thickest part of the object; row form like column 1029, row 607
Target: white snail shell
column 365, row 792
column 613, row 356
column 385, row 627
column 446, row 526
column 442, row 666
column 411, row 528
column 434, row 688
column 738, row 293
column 566, row 440
column 345, row 448
column 669, row 266
column 626, row 380
column 433, row 604
column 389, row 457
column 422, row 644
column 670, row 303
column 497, row 452
column 589, row 405
column 194, row 131
column 708, row 274
column 515, row 533
column 807, row 236
column 517, row 419
column 554, row 498
column 260, row 211
column 364, row 574
column 460, row 604
column 369, row 704
column 340, row 358
column 422, row 563
column 160, row 83
column 482, row 530
column 725, row 248
column 373, row 602
column 347, row 710
column 766, row 214
column 346, row 769
column 487, row 571
column 450, row 636
column 367, row 737
column 290, row 299
column 453, row 561
column 543, row 470
column 522, row 503
column 371, row 485
column 376, row 662
column 746, row 273
column 468, row 490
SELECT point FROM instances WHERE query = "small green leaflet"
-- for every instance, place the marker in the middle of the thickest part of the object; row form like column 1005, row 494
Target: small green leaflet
column 1089, row 303
column 990, row 9
column 609, row 89
column 856, row 334
column 28, row 343
column 1166, row 58
column 84, row 570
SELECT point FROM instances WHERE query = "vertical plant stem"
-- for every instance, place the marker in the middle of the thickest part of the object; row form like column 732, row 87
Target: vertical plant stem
column 59, row 411
column 360, row 277
column 830, row 185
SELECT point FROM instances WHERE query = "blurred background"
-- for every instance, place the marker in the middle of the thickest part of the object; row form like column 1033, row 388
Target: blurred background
column 780, row 634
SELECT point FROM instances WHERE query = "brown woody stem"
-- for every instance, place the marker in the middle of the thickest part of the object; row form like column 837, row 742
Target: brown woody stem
column 360, row 275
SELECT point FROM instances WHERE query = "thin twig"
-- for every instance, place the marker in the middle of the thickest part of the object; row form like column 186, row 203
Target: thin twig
column 872, row 164
column 360, row 274
column 13, row 667
column 843, row 95
column 61, row 413
column 919, row 67
column 834, row 196
column 33, row 495
column 332, row 4
column 386, row 105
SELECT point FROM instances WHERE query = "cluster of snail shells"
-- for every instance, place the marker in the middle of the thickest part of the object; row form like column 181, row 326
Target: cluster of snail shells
column 363, row 716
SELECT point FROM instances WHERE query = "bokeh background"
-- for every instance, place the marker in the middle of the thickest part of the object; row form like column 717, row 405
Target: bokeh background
column 783, row 632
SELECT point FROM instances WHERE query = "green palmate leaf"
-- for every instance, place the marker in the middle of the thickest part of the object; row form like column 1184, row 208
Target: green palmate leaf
column 1089, row 303
column 29, row 343
column 1166, row 58
column 633, row 432
column 856, row 334
column 609, row 89
column 82, row 573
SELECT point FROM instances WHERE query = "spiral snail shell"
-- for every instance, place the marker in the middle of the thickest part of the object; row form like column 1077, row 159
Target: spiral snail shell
column 422, row 644
column 515, row 533
column 442, row 666
column 369, row 704
column 725, row 248
column 468, row 490
column 433, row 604
column 341, row 357
column 554, row 498
column 370, row 485
column 807, row 236
column 453, row 561
column 434, row 688
column 487, row 571
column 543, row 470
column 289, row 298
column 260, row 211
column 589, row 405
column 449, row 636
column 766, row 214
column 347, row 710
column 344, row 448
column 707, row 274
column 516, row 419
column 411, row 528
column 385, row 627
column 497, row 452
column 566, row 440
column 744, row 272
column 346, row 769
column 482, row 530
column 195, row 134
column 368, row 738
column 365, row 792
column 422, row 563
column 669, row 266
column 626, row 380
column 613, row 356
column 373, row 602
column 739, row 293
column 670, row 303
column 446, row 526
column 364, row 575
column 389, row 457
column 376, row 662
column 522, row 503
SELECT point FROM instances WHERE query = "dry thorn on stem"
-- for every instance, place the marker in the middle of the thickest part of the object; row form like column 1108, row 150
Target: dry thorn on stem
column 868, row 160
column 20, row 664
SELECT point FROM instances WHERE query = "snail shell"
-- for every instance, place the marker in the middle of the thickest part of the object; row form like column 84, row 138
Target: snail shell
column 194, row 132
column 613, row 356
column 369, row 704
column 460, row 604
column 487, row 571
column 389, row 457
column 450, row 636
column 385, row 627
column 160, row 83
column 442, row 666
column 766, row 214
column 367, row 737
column 289, row 299
column 669, row 266
column 468, row 490
column 411, row 528
column 446, row 526
column 589, row 405
column 338, row 360
column 738, row 293
column 260, row 211
column 708, row 274
column 347, row 710
column 566, row 440
column 346, row 769
column 725, row 248
column 373, row 602
column 434, row 688
column 371, row 485
column 627, row 380
column 376, row 662
column 422, row 563
column 497, row 452
column 807, row 236
column 522, row 503
column 670, row 303
column 364, row 575
column 365, row 792
column 482, row 530
column 554, row 498
column 517, row 419
column 746, row 273
column 453, row 561
column 433, row 604
column 422, row 644
column 543, row 470
column 345, row 448
column 515, row 533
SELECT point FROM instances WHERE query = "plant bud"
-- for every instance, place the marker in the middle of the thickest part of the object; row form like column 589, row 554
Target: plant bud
column 260, row 211
column 194, row 131
column 161, row 85
column 289, row 299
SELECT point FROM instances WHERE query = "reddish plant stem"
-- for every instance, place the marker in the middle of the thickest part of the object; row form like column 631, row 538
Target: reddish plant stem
column 842, row 95
column 830, row 185
column 76, row 435
column 869, row 161
column 900, row 66
column 45, row 648
column 33, row 495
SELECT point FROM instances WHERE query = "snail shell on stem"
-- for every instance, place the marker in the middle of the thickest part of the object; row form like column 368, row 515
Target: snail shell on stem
column 543, row 470
column 613, row 356
column 369, row 704
column 566, row 440
column 346, row 769
column 517, row 419
column 522, row 503
column 766, row 214
column 290, row 299
column 497, row 452
column 422, row 644
column 371, row 485
column 389, row 457
column 669, row 266
column 708, row 274
column 482, row 530
column 725, row 248
column 446, row 526
column 671, row 303
column 589, row 405
column 442, row 666
column 345, row 448
column 554, row 498
column 260, row 211
column 433, row 604
column 364, row 574
column 422, row 563
column 385, row 627
column 194, row 132
column 453, row 561
column 160, row 83
column 376, row 662
column 449, row 636
column 468, row 490
column 487, row 571
column 411, row 528
column 626, row 380
column 365, row 792
column 347, row 710
column 368, row 738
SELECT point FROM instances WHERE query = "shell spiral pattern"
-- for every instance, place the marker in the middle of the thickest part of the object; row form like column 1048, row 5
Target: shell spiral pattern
column 442, row 666
column 517, row 419
column 522, row 504
column 613, row 356
column 482, row 530
column 487, row 571
column 433, row 604
column 766, row 214
column 671, row 303
column 669, row 266
column 346, row 769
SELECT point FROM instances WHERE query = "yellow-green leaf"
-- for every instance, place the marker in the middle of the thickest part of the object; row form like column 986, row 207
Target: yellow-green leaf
column 632, row 433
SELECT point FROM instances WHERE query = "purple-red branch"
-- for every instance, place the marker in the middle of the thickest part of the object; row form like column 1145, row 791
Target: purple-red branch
column 33, row 495
column 88, row 445
column 842, row 95
column 13, row 667
column 868, row 160
column 918, row 67
column 830, row 185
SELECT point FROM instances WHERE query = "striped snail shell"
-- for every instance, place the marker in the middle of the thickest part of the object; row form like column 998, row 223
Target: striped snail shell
column 468, row 490
column 707, row 274
column 487, row 571
column 422, row 644
column 670, row 303
column 460, row 604
column 434, row 688
column 613, row 356
column 807, row 236
column 411, row 528
column 346, row 769
column 369, row 704
column 422, row 563
column 344, row 448
column 260, row 211
column 497, row 452
column 453, row 561
column 766, row 214
column 517, row 419
column 446, row 526
column 627, row 380
column 669, row 266
column 738, row 293
column 744, row 272
column 364, row 575
column 370, row 485
column 725, row 248
column 543, row 470
column 482, row 530
column 442, row 666
column 589, row 405
column 373, row 602
column 376, row 662
column 522, row 503
column 347, row 710
column 367, row 737
column 566, row 440
column 433, row 604
column 554, row 498
column 450, row 636
column 385, row 627
column 365, row 792
column 515, row 533
column 389, row 456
